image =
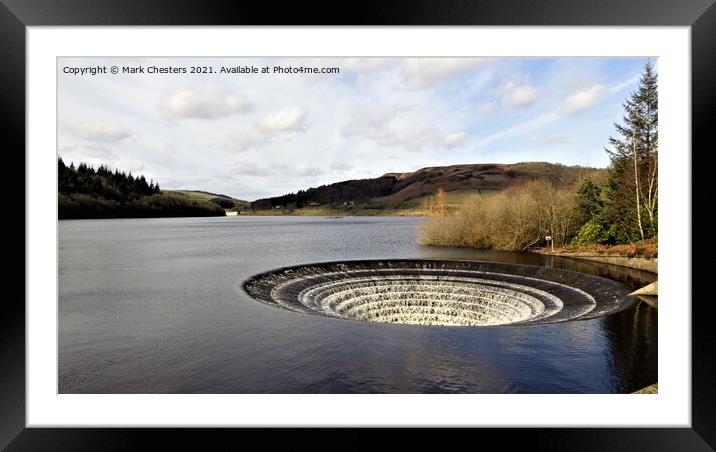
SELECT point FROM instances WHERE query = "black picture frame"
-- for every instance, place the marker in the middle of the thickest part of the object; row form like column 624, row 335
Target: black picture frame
column 16, row 15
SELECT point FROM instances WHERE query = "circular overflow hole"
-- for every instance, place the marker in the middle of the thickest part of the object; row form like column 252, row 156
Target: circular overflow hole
column 438, row 292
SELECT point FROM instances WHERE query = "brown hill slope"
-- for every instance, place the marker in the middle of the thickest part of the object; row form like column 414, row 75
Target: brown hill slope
column 392, row 189
column 488, row 177
column 223, row 201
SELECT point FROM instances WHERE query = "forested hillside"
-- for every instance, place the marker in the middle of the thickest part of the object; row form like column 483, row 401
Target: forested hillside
column 392, row 189
column 85, row 192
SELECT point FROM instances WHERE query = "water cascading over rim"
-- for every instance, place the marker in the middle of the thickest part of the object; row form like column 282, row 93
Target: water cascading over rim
column 438, row 292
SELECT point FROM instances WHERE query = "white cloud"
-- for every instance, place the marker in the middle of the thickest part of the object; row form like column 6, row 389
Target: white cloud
column 280, row 123
column 517, row 94
column 87, row 151
column 518, row 129
column 66, row 148
column 374, row 124
column 96, row 156
column 377, row 115
column 417, row 138
column 487, row 108
column 583, row 99
column 587, row 97
column 397, row 126
column 341, row 166
column 453, row 140
column 291, row 119
column 421, row 73
column 577, row 102
column 303, row 170
column 250, row 168
column 244, row 141
column 99, row 131
column 132, row 165
column 254, row 169
column 204, row 103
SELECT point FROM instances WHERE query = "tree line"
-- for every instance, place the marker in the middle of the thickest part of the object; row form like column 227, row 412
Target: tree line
column 614, row 206
column 623, row 208
column 86, row 192
column 116, row 185
column 347, row 191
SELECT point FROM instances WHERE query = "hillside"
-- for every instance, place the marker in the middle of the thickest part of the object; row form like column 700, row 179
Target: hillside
column 223, row 201
column 404, row 191
column 85, row 192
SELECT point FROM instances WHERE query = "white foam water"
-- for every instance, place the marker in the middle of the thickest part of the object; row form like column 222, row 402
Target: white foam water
column 444, row 293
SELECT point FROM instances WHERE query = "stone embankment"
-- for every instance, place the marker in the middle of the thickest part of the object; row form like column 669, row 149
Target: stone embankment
column 649, row 264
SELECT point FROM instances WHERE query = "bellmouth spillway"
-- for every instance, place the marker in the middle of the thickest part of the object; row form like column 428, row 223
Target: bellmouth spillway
column 438, row 292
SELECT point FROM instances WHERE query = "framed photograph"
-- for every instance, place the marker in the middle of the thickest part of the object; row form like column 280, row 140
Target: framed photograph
column 445, row 216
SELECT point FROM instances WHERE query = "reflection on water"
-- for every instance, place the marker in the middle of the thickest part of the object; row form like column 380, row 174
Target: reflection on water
column 154, row 305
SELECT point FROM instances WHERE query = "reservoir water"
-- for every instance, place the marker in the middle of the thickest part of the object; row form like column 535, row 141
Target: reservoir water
column 157, row 306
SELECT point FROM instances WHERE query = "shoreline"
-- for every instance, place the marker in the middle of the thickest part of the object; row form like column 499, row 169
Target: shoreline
column 331, row 212
column 649, row 264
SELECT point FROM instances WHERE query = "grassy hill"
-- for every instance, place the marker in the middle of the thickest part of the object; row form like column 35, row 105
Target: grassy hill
column 223, row 201
column 404, row 193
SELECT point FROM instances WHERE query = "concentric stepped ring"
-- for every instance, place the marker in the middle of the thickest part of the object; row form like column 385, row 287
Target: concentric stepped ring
column 437, row 292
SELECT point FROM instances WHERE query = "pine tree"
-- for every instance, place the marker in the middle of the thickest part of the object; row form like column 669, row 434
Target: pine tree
column 590, row 205
column 632, row 187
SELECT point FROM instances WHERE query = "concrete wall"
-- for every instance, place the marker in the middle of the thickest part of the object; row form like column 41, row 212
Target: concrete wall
column 640, row 263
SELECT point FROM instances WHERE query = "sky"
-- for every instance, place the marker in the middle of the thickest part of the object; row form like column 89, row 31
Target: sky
column 265, row 134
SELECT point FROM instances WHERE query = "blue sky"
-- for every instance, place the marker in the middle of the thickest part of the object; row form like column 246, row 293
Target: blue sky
column 257, row 135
